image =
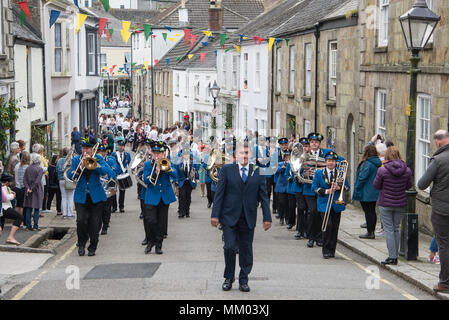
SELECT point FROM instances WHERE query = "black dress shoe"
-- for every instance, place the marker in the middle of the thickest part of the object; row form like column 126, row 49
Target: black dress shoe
column 209, row 205
column 187, row 215
column 122, row 210
column 104, row 231
column 281, row 222
column 310, row 243
column 390, row 261
column 227, row 284
column 141, row 216
column 145, row 242
column 165, row 236
column 289, row 226
column 91, row 253
column 367, row 236
column 148, row 248
column 159, row 250
column 180, row 216
column 81, row 251
column 326, row 255
column 363, row 225
column 298, row 236
column 244, row 287
column 319, row 243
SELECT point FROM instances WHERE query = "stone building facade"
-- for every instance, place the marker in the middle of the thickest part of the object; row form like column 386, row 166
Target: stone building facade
column 6, row 51
column 385, row 84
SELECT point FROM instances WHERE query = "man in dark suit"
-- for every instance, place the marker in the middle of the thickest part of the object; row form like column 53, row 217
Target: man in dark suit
column 240, row 187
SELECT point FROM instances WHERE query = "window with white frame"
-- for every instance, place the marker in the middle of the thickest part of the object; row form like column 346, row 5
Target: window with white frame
column 186, row 93
column 103, row 62
column 235, row 62
column 306, row 127
column 161, row 82
column 68, row 54
column 381, row 111
column 91, row 54
column 167, row 84
column 382, row 39
column 58, row 47
column 423, row 113
column 278, row 120
column 257, row 81
column 207, row 90
column 245, row 70
column 332, row 82
column 177, row 84
column 29, row 74
column 308, row 69
column 224, row 57
column 196, row 91
column 278, row 69
column 291, row 75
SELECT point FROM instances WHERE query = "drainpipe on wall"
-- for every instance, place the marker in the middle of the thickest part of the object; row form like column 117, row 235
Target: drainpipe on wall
column 272, row 87
column 317, row 37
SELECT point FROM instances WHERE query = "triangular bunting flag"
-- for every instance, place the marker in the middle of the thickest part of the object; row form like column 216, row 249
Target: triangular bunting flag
column 76, row 3
column 164, row 35
column 54, row 14
column 205, row 43
column 192, row 40
column 105, row 4
column 216, row 52
column 261, row 39
column 108, row 35
column 80, row 18
column 223, row 38
column 177, row 35
column 256, row 38
column 126, row 25
column 178, row 58
column 24, row 6
column 190, row 56
column 187, row 35
column 156, row 62
column 208, row 33
column 238, row 49
column 286, row 41
column 270, row 43
column 147, row 30
column 168, row 61
column 125, row 35
column 101, row 25
column 172, row 39
column 278, row 40
column 227, row 49
column 168, row 28
column 203, row 55
column 241, row 38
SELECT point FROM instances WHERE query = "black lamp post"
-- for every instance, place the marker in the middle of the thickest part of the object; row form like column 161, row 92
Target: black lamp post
column 214, row 92
column 417, row 26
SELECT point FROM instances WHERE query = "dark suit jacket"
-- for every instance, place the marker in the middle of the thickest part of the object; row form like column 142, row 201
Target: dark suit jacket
column 233, row 196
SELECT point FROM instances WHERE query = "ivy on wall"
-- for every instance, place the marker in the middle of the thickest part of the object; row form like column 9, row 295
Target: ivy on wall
column 9, row 113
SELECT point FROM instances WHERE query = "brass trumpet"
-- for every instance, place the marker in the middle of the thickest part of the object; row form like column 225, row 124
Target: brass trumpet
column 342, row 170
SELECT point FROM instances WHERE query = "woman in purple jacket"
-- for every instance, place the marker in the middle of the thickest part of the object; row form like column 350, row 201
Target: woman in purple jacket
column 393, row 179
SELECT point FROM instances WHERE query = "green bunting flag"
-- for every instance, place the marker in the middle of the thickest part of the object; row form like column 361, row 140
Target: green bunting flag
column 223, row 38
column 147, row 30
column 286, row 42
column 23, row 15
column 178, row 58
column 164, row 35
column 105, row 4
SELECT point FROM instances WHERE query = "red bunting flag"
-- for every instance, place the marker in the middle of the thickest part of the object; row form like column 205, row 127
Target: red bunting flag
column 203, row 55
column 108, row 35
column 24, row 6
column 187, row 36
column 101, row 25
column 156, row 62
column 261, row 39
column 193, row 39
column 256, row 38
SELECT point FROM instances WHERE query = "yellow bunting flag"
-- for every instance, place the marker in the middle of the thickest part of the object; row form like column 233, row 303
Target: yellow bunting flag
column 270, row 43
column 146, row 65
column 172, row 39
column 238, row 49
column 177, row 35
column 80, row 18
column 126, row 25
column 208, row 33
column 125, row 35
column 190, row 56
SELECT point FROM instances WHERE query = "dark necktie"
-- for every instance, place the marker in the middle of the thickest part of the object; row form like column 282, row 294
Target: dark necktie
column 332, row 176
column 244, row 176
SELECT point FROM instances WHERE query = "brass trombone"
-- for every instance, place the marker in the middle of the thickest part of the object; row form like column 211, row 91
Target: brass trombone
column 89, row 163
column 164, row 165
column 342, row 170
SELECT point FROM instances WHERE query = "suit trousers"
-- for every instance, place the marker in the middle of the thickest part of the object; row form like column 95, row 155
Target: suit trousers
column 153, row 218
column 440, row 225
column 301, row 208
column 331, row 234
column 185, row 198
column 282, row 204
column 314, row 219
column 291, row 216
column 106, row 214
column 88, row 219
column 121, row 199
column 238, row 237
column 210, row 199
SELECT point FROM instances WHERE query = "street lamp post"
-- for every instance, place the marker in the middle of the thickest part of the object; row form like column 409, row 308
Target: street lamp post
column 214, row 91
column 417, row 26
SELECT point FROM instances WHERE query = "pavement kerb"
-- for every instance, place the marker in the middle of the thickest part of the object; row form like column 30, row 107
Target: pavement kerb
column 396, row 272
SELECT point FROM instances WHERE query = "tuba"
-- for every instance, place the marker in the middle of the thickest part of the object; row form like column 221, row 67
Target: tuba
column 342, row 170
column 215, row 162
column 297, row 159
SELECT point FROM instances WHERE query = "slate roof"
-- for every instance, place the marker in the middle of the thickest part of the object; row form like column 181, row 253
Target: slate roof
column 137, row 16
column 24, row 32
column 235, row 13
column 343, row 10
column 306, row 14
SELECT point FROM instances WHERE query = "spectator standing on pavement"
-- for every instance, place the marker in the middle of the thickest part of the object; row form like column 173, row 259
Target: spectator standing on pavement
column 34, row 195
column 438, row 173
column 393, row 179
column 19, row 172
column 53, row 186
column 13, row 158
column 66, row 194
column 76, row 140
column 364, row 190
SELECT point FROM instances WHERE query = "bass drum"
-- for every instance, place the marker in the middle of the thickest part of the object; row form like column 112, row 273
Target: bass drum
column 124, row 181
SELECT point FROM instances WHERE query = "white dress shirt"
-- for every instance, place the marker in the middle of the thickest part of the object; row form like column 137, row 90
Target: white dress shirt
column 246, row 171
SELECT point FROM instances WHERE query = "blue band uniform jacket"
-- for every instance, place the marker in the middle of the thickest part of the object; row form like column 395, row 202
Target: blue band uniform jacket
column 162, row 190
column 125, row 162
column 181, row 178
column 93, row 186
column 321, row 182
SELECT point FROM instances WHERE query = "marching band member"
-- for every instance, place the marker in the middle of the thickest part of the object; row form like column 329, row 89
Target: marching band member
column 158, row 196
column 106, row 216
column 281, row 187
column 271, row 185
column 123, row 160
column 293, row 188
column 141, row 190
column 301, row 204
column 187, row 173
column 283, row 146
column 89, row 197
column 325, row 184
column 314, row 220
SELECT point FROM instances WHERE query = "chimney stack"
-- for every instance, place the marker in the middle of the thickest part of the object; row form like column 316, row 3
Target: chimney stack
column 215, row 15
column 183, row 14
